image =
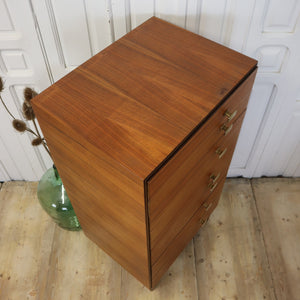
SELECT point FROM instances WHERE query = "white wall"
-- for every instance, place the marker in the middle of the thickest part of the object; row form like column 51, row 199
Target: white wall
column 42, row 40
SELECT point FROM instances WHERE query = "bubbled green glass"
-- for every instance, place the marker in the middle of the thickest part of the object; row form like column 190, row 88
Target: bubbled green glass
column 55, row 201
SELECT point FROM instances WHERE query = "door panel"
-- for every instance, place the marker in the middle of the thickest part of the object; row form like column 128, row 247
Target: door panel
column 274, row 40
column 21, row 64
column 72, row 31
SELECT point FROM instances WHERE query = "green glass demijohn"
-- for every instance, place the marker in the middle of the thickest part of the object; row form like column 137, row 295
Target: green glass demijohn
column 55, row 201
column 51, row 192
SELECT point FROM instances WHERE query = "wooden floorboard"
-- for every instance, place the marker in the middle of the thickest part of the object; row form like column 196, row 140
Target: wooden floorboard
column 278, row 204
column 178, row 283
column 26, row 237
column 80, row 270
column 249, row 249
column 230, row 254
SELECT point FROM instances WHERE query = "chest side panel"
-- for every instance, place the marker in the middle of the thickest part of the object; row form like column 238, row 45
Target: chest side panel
column 108, row 203
column 183, row 184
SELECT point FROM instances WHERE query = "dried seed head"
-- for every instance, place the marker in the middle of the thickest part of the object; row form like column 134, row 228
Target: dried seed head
column 29, row 93
column 1, row 84
column 19, row 125
column 36, row 142
column 28, row 111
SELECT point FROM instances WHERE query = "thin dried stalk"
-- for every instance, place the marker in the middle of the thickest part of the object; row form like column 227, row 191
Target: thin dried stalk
column 6, row 107
column 20, row 125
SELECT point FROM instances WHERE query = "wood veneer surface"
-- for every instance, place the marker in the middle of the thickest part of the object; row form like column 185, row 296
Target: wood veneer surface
column 141, row 96
column 111, row 124
column 184, row 236
column 179, row 187
column 109, row 206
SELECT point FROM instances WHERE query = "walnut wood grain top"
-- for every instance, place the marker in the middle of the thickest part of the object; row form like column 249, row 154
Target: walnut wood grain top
column 139, row 98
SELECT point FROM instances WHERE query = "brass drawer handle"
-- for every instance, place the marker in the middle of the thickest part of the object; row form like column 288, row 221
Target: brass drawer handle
column 202, row 221
column 207, row 205
column 212, row 186
column 213, row 178
column 220, row 152
column 213, row 181
column 230, row 115
column 226, row 129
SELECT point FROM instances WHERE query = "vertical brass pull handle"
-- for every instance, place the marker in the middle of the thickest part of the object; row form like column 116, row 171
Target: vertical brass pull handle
column 220, row 152
column 213, row 178
column 207, row 205
column 226, row 129
column 202, row 221
column 213, row 181
column 212, row 186
column 230, row 115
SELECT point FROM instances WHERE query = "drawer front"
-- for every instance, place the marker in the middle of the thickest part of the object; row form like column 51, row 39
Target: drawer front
column 206, row 136
column 186, row 196
column 194, row 173
column 198, row 219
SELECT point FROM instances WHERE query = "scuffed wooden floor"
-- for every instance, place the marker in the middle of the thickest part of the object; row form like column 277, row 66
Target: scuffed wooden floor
column 249, row 249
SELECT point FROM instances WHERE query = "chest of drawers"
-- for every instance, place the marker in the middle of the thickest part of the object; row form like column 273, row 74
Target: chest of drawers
column 142, row 135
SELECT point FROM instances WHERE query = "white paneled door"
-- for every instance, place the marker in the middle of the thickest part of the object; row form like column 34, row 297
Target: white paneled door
column 270, row 137
column 22, row 63
column 43, row 40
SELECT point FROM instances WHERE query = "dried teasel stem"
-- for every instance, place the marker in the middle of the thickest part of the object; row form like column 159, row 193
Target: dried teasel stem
column 40, row 136
column 1, row 85
column 6, row 108
column 45, row 146
column 36, row 128
column 31, row 131
column 20, row 125
column 43, row 142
